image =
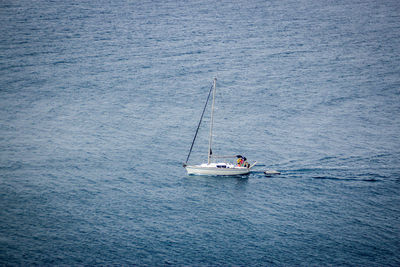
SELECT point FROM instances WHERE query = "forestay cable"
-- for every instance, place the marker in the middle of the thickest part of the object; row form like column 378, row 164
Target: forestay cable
column 198, row 126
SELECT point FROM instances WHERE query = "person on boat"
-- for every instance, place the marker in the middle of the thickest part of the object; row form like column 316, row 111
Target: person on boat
column 240, row 162
column 246, row 164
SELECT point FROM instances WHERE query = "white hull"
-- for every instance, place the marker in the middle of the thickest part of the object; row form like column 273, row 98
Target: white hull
column 216, row 170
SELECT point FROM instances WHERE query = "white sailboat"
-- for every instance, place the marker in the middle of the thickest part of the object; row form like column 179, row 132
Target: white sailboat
column 216, row 168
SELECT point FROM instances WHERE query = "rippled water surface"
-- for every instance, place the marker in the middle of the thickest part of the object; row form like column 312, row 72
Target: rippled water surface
column 99, row 102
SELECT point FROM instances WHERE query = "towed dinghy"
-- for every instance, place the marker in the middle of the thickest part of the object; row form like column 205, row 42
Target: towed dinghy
column 271, row 172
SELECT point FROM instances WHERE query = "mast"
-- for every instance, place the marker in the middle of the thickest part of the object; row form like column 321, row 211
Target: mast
column 212, row 122
column 198, row 126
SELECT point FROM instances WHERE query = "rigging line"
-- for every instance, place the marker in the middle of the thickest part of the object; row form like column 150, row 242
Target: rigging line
column 198, row 126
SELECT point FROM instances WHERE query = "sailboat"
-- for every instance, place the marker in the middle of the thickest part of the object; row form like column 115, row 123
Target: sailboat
column 216, row 168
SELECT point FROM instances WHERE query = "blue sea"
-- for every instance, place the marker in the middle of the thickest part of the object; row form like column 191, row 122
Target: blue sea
column 100, row 101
